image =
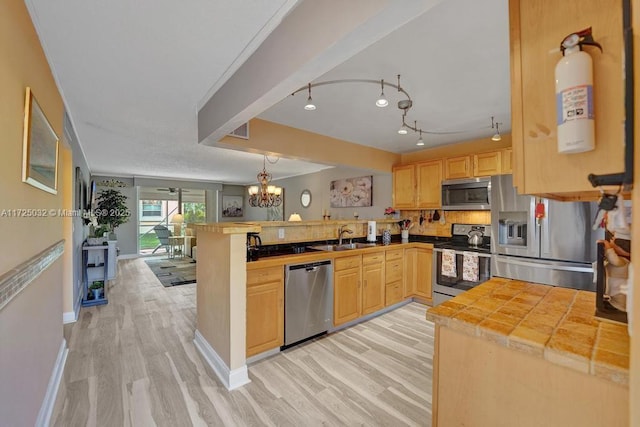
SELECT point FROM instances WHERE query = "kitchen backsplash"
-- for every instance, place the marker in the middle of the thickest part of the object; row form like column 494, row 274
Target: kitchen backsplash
column 437, row 228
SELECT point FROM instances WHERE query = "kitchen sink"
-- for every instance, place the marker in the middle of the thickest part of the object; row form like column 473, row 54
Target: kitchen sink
column 343, row 247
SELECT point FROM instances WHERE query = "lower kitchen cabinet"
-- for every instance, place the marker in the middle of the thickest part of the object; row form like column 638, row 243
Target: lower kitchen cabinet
column 394, row 272
column 373, row 290
column 418, row 263
column 265, row 309
column 347, row 291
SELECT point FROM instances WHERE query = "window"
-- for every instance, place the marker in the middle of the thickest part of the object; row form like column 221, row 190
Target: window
column 151, row 208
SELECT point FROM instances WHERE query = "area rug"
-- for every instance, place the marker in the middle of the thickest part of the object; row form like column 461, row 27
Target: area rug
column 173, row 272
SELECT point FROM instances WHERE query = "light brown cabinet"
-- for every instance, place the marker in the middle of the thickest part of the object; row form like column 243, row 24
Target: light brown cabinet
column 429, row 181
column 417, row 185
column 536, row 28
column 507, row 155
column 404, row 187
column 265, row 309
column 394, row 274
column 373, row 278
column 418, row 269
column 487, row 164
column 347, row 290
column 458, row 167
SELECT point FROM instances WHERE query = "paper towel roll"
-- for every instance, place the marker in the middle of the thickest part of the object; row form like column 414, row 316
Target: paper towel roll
column 371, row 231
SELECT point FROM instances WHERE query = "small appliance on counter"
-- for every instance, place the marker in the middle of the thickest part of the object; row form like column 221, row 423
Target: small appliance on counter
column 371, row 231
column 542, row 241
column 254, row 243
column 461, row 263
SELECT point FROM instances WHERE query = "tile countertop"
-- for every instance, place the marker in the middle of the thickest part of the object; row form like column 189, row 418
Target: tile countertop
column 557, row 324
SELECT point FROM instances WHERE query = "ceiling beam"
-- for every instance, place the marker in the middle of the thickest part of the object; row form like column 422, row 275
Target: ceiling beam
column 314, row 38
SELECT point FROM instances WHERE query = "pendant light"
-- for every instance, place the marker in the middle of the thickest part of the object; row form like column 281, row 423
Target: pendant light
column 264, row 195
column 310, row 106
column 420, row 142
column 382, row 100
column 496, row 136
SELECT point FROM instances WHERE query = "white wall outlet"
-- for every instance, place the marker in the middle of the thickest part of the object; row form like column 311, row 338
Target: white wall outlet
column 280, row 233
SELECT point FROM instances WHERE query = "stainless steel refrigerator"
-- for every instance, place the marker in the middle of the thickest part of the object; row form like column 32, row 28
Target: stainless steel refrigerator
column 558, row 249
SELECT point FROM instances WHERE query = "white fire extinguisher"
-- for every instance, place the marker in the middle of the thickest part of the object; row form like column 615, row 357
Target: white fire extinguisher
column 574, row 94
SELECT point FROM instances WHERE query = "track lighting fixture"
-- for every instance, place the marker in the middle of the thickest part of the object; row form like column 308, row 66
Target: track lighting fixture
column 496, row 136
column 310, row 106
column 420, row 141
column 382, row 100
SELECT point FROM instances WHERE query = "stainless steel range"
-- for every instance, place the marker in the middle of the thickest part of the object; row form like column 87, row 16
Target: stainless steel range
column 459, row 265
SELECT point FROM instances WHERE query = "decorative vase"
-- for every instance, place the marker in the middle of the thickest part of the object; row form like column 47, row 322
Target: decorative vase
column 386, row 237
column 96, row 293
column 405, row 235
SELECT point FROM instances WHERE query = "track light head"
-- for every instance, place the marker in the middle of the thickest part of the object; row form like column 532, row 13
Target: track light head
column 382, row 100
column 309, row 106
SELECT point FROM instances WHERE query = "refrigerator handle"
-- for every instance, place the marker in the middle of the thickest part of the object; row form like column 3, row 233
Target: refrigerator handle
column 545, row 227
column 512, row 261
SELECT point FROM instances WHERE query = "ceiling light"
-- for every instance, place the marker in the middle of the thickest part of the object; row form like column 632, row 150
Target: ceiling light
column 310, row 106
column 403, row 130
column 496, row 136
column 382, row 100
column 264, row 195
column 420, row 142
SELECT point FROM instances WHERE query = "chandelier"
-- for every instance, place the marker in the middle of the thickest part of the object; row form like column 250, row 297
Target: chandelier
column 264, row 195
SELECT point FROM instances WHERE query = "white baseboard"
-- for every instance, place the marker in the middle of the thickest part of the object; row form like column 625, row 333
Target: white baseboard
column 129, row 256
column 230, row 379
column 72, row 316
column 44, row 416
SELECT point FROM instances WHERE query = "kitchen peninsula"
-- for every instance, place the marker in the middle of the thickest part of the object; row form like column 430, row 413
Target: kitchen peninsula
column 516, row 353
column 240, row 304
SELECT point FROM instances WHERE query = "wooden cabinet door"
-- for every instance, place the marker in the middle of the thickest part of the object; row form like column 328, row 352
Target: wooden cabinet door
column 410, row 273
column 373, row 288
column 429, row 179
column 458, row 167
column 487, row 164
column 507, row 155
column 404, row 186
column 265, row 317
column 346, row 296
column 536, row 27
column 424, row 263
column 393, row 293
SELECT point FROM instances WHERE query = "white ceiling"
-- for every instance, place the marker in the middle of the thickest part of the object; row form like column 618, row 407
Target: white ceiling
column 133, row 73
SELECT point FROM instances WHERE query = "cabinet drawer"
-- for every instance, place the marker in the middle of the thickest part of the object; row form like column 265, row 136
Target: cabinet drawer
column 393, row 270
column 347, row 262
column 393, row 293
column 394, row 254
column 265, row 275
column 375, row 258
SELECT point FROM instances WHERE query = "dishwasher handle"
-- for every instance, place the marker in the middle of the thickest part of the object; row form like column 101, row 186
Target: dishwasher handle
column 309, row 267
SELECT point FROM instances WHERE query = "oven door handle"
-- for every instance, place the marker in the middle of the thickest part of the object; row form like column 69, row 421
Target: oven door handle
column 509, row 260
column 480, row 254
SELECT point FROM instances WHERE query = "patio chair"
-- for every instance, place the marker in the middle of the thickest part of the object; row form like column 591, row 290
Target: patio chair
column 163, row 234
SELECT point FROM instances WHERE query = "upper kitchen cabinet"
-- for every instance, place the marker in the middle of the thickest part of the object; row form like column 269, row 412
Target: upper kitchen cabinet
column 429, row 179
column 487, row 164
column 404, row 187
column 537, row 28
column 417, row 185
column 458, row 167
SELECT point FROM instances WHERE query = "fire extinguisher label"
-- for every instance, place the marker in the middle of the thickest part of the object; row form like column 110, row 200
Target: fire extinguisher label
column 575, row 103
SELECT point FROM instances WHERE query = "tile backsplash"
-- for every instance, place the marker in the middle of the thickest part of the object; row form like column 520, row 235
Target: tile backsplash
column 435, row 228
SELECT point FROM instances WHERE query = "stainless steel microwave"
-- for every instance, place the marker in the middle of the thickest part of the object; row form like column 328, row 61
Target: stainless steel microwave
column 466, row 194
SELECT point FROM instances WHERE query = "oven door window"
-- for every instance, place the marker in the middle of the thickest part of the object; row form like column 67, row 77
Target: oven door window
column 484, row 273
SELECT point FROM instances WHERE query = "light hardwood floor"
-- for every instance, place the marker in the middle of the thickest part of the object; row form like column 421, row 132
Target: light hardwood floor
column 132, row 362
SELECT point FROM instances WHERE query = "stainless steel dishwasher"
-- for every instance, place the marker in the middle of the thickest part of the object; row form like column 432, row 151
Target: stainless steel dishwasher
column 308, row 300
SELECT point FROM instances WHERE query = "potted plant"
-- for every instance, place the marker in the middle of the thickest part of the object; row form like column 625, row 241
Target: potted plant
column 97, row 287
column 111, row 210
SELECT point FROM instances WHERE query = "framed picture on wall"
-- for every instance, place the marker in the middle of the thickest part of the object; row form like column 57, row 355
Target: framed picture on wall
column 40, row 148
column 350, row 192
column 232, row 206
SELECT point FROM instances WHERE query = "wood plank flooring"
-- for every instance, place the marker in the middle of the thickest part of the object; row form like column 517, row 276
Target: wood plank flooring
column 132, row 362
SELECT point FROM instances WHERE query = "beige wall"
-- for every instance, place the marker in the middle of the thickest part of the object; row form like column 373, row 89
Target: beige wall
column 285, row 141
column 31, row 324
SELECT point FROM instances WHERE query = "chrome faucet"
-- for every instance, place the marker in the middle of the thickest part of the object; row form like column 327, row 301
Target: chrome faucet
column 342, row 230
